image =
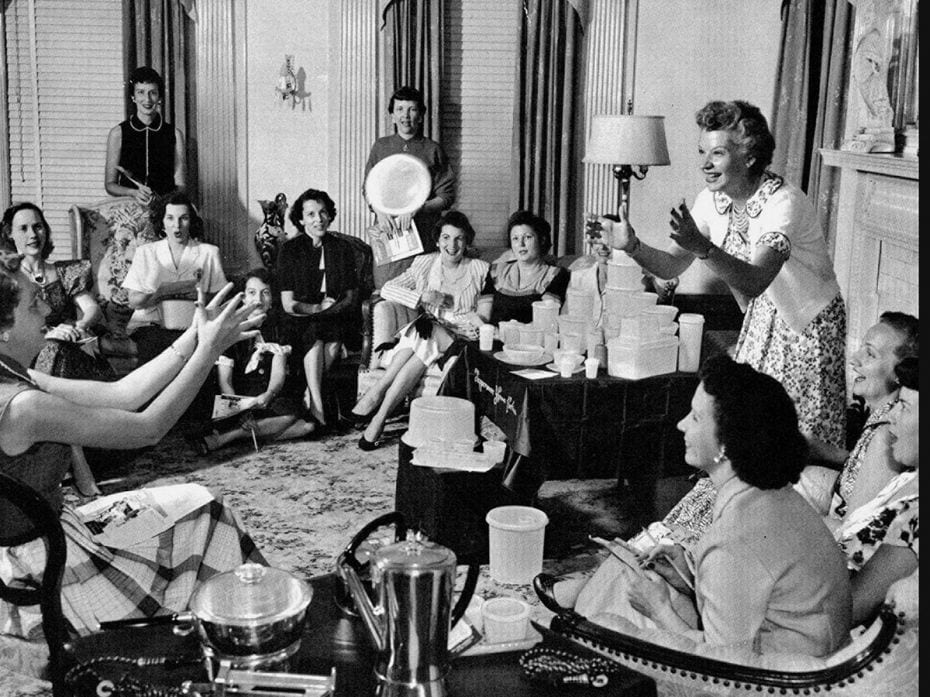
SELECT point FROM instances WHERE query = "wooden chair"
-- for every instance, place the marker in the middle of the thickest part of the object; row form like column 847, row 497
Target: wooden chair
column 39, row 521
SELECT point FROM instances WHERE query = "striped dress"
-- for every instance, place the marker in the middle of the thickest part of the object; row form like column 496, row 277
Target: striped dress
column 151, row 577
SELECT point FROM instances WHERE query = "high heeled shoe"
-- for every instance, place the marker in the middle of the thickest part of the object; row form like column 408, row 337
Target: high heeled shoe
column 357, row 420
column 544, row 585
column 367, row 445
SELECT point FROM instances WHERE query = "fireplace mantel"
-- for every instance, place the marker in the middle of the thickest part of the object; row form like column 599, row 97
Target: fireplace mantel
column 876, row 256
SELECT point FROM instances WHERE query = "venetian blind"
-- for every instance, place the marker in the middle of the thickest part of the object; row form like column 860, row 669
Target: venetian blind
column 476, row 113
column 64, row 73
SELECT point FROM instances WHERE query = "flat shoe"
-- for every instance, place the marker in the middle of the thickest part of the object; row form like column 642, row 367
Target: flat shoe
column 367, row 445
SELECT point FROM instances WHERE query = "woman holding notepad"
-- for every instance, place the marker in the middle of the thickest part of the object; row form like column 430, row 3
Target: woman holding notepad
column 145, row 154
column 767, row 576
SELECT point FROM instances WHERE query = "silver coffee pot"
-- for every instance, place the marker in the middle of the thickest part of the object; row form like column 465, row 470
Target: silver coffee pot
column 410, row 617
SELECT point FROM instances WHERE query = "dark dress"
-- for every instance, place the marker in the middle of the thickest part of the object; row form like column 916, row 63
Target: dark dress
column 147, row 152
column 299, row 272
column 255, row 381
column 512, row 303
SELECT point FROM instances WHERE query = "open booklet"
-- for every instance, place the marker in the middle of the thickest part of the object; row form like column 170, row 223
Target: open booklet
column 387, row 246
column 127, row 518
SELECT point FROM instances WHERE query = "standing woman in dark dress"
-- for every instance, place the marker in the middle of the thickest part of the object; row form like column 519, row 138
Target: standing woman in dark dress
column 145, row 154
column 524, row 276
column 319, row 285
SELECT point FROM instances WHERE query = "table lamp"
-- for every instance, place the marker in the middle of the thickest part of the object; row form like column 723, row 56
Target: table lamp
column 627, row 141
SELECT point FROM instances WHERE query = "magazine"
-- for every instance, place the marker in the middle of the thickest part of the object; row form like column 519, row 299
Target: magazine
column 387, row 246
column 125, row 519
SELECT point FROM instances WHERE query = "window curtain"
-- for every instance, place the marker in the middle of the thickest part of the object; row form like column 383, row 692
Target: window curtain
column 547, row 94
column 413, row 53
column 810, row 97
column 160, row 34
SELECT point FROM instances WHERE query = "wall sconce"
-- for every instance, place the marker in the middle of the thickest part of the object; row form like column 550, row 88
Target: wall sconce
column 286, row 86
column 624, row 142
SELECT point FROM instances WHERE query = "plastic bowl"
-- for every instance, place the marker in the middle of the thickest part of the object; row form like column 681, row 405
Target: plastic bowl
column 523, row 353
column 505, row 620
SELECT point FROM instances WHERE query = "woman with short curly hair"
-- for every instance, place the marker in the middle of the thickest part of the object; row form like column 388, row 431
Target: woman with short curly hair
column 761, row 236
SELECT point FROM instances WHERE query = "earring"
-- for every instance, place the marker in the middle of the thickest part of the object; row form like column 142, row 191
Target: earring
column 721, row 457
column 4, row 336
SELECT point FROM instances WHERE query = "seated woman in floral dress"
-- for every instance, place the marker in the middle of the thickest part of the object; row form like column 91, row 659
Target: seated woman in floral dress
column 62, row 306
column 524, row 276
column 41, row 415
column 870, row 465
column 881, row 538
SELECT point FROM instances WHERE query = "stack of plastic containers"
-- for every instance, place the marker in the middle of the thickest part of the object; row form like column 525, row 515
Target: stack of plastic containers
column 640, row 335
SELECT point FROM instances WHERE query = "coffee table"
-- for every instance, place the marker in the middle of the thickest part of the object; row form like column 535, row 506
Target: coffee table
column 335, row 639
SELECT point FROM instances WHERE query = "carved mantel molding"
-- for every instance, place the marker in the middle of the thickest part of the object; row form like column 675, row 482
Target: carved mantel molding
column 877, row 251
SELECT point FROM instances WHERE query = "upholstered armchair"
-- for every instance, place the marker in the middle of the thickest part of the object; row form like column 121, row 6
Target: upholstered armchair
column 107, row 233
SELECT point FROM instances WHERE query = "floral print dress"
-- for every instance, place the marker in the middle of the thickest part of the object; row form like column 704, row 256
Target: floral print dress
column 892, row 517
column 810, row 364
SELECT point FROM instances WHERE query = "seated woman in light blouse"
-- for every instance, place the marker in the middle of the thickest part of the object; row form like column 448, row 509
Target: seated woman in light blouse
column 453, row 292
column 524, row 276
column 170, row 269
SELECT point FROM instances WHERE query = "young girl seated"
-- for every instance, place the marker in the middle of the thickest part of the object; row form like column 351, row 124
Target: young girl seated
column 257, row 367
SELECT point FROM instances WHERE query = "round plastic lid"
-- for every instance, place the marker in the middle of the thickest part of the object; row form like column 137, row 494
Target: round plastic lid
column 250, row 594
column 398, row 185
column 414, row 555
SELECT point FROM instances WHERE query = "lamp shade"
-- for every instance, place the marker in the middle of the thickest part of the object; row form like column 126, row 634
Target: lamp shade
column 627, row 140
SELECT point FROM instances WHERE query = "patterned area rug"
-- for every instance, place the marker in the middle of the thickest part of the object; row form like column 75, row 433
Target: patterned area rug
column 302, row 501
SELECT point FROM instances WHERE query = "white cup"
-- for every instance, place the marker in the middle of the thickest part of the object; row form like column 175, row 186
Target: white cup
column 591, row 366
column 515, row 543
column 566, row 367
column 486, row 337
column 505, row 619
column 690, row 333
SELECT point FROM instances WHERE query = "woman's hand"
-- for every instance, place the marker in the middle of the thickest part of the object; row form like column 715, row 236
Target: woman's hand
column 327, row 303
column 220, row 325
column 143, row 195
column 615, row 234
column 671, row 563
column 685, row 232
column 66, row 332
column 435, row 298
column 263, row 400
column 403, row 222
column 385, row 222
